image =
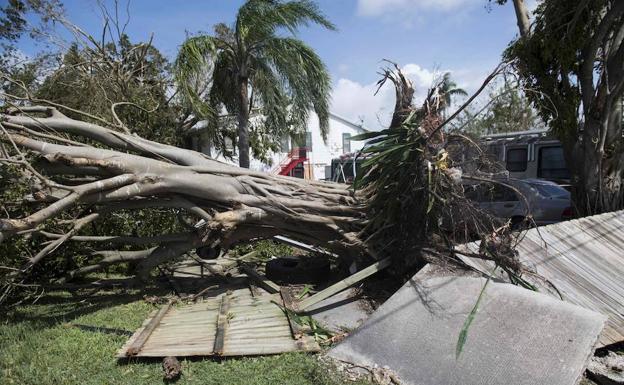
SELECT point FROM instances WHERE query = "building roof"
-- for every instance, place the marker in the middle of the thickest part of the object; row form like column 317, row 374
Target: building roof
column 583, row 260
column 346, row 121
column 202, row 124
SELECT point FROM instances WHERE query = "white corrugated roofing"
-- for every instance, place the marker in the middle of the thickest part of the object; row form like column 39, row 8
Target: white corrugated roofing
column 583, row 259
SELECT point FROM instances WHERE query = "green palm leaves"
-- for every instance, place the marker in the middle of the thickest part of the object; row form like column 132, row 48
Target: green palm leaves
column 282, row 78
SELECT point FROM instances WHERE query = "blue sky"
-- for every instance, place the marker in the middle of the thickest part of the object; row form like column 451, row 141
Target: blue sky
column 423, row 36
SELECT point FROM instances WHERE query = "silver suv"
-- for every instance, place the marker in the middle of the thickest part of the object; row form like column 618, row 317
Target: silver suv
column 547, row 201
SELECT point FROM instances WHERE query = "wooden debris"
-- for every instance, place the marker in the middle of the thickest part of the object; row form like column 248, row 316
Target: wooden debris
column 222, row 322
column 138, row 343
column 263, row 281
column 171, row 367
column 296, row 329
column 341, row 285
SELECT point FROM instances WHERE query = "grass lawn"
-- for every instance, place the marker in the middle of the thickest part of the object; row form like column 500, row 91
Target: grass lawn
column 57, row 341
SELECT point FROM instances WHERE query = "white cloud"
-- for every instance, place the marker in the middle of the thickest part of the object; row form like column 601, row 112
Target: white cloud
column 358, row 102
column 381, row 7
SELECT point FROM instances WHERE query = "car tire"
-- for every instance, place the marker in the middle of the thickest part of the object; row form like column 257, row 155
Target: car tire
column 207, row 252
column 298, row 270
column 519, row 224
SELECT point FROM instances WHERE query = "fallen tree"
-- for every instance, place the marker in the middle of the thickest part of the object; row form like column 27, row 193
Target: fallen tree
column 409, row 199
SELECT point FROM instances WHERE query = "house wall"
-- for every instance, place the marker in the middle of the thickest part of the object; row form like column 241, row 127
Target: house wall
column 322, row 152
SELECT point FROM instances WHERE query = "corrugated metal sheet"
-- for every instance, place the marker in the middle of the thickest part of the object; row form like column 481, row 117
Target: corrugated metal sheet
column 235, row 323
column 583, row 259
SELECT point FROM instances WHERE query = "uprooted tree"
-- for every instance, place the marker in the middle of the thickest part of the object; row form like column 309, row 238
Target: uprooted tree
column 409, row 202
column 570, row 59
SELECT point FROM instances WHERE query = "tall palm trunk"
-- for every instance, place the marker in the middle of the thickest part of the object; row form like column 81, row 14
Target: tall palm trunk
column 243, row 123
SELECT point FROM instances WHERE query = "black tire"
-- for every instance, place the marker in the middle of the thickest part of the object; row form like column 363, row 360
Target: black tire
column 519, row 224
column 207, row 252
column 298, row 270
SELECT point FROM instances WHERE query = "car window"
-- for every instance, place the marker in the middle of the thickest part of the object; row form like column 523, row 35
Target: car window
column 471, row 193
column 494, row 192
column 551, row 163
column 516, row 159
column 551, row 191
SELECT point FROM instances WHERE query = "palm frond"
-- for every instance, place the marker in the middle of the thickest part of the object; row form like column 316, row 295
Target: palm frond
column 258, row 19
column 306, row 79
column 192, row 69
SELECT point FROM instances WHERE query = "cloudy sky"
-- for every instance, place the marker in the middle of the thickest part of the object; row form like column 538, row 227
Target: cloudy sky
column 425, row 37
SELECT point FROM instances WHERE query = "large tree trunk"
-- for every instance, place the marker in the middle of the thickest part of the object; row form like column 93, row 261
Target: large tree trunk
column 599, row 163
column 243, row 124
column 410, row 205
column 593, row 145
column 236, row 204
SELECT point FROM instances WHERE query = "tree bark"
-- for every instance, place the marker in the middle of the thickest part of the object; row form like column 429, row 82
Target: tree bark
column 243, row 123
column 600, row 164
column 522, row 16
column 236, row 204
column 593, row 145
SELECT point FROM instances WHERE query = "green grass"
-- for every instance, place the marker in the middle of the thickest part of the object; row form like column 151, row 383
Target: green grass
column 40, row 345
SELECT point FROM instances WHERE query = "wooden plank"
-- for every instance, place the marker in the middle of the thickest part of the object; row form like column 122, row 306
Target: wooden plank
column 263, row 281
column 295, row 328
column 341, row 285
column 222, row 322
column 121, row 353
column 138, row 343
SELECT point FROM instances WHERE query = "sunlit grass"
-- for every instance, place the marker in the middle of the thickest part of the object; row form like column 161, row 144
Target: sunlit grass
column 48, row 343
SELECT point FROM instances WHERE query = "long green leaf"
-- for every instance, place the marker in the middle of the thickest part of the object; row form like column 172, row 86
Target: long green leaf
column 463, row 334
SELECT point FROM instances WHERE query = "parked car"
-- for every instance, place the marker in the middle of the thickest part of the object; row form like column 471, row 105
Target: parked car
column 514, row 199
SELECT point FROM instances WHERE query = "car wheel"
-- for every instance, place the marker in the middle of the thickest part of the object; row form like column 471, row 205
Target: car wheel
column 519, row 224
column 207, row 252
column 298, row 270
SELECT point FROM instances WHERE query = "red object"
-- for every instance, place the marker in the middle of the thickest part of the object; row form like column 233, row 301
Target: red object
column 295, row 157
column 567, row 213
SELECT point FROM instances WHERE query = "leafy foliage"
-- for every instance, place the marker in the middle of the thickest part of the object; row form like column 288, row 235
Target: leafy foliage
column 136, row 76
column 572, row 62
column 412, row 180
column 507, row 110
column 135, row 79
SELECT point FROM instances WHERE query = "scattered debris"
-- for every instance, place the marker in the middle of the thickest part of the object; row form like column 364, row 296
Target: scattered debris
column 607, row 370
column 342, row 285
column 172, row 368
column 517, row 336
column 375, row 374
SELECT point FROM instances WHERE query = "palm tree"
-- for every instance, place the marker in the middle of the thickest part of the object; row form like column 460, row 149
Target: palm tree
column 448, row 89
column 252, row 67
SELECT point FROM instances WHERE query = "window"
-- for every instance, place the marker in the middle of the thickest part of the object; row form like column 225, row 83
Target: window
column 551, row 163
column 346, row 143
column 308, row 142
column 328, row 172
column 494, row 192
column 517, row 159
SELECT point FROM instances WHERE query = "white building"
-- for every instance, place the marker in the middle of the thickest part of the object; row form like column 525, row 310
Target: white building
column 318, row 154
